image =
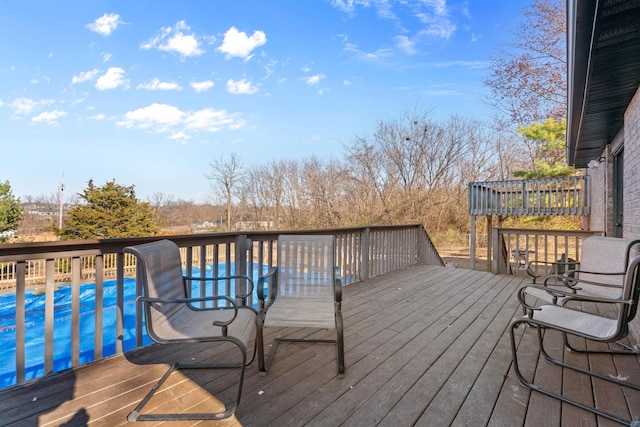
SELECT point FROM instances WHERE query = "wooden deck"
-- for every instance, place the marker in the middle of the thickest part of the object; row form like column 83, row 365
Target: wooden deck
column 424, row 346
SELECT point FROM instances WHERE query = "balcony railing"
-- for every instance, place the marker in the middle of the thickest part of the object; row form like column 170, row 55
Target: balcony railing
column 513, row 247
column 548, row 196
column 362, row 252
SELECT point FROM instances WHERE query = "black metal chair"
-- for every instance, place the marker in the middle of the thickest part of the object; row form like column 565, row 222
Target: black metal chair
column 173, row 316
column 573, row 321
column 600, row 273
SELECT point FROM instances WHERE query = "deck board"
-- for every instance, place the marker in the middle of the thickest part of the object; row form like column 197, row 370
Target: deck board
column 425, row 345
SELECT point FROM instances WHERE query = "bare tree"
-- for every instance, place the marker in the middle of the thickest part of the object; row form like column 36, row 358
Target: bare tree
column 528, row 78
column 224, row 176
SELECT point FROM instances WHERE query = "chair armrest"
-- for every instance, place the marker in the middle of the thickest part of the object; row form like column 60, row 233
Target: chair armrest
column 571, row 295
column 189, row 302
column 528, row 266
column 271, row 277
column 554, row 291
column 338, row 284
column 571, row 278
column 243, row 297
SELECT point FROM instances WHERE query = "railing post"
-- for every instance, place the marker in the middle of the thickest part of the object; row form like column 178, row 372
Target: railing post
column 120, row 303
column 240, row 255
column 472, row 243
column 495, row 251
column 364, row 254
column 20, row 319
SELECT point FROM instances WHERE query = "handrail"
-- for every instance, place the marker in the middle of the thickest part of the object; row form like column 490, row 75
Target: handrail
column 361, row 253
column 545, row 196
column 513, row 247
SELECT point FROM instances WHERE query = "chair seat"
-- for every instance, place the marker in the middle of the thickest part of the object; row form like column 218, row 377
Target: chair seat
column 582, row 322
column 197, row 325
column 302, row 312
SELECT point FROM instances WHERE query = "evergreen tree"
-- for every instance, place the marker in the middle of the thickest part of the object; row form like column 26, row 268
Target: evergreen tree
column 10, row 212
column 110, row 211
column 547, row 146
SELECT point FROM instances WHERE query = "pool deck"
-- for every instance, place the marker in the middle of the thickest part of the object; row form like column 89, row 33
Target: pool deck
column 426, row 345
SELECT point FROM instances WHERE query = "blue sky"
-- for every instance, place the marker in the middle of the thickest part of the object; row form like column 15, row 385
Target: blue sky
column 151, row 92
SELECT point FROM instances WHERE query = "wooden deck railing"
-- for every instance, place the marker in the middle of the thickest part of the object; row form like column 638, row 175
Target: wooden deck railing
column 362, row 252
column 513, row 247
column 548, row 196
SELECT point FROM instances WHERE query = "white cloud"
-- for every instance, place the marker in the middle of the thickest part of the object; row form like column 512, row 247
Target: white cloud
column 99, row 116
column 49, row 117
column 405, row 44
column 315, row 79
column 176, row 39
column 202, row 86
column 348, row 5
column 180, row 125
column 106, row 24
column 269, row 68
column 379, row 54
column 306, row 69
column 113, row 78
column 346, row 82
column 156, row 84
column 241, row 87
column 84, row 76
column 237, row 43
column 211, row 120
column 25, row 106
column 155, row 115
column 106, row 56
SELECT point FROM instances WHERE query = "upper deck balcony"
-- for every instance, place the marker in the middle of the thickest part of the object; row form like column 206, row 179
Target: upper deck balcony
column 547, row 196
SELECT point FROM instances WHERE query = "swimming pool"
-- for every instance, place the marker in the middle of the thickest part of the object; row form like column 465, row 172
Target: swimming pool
column 34, row 325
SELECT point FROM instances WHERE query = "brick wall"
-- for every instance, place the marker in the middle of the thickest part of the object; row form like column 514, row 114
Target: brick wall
column 601, row 217
column 631, row 200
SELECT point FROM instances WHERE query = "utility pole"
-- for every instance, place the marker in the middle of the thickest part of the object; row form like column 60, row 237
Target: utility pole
column 60, row 201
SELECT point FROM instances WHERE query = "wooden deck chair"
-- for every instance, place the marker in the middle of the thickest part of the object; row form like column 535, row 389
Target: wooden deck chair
column 303, row 291
column 172, row 316
column 601, row 272
column 588, row 325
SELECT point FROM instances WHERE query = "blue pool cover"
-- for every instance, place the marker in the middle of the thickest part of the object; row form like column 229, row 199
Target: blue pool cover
column 34, row 327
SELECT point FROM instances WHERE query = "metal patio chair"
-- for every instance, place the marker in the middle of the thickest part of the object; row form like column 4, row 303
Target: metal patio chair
column 303, row 291
column 591, row 326
column 601, row 272
column 173, row 316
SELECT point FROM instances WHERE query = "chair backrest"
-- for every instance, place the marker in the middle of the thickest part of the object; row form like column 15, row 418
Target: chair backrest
column 605, row 255
column 160, row 272
column 631, row 291
column 306, row 266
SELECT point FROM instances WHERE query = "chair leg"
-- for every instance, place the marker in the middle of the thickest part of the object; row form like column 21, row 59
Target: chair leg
column 262, row 367
column 265, row 363
column 627, row 349
column 525, row 382
column 136, row 415
column 340, row 344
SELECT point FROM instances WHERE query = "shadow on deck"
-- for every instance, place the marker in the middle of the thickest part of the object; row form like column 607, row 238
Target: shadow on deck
column 424, row 346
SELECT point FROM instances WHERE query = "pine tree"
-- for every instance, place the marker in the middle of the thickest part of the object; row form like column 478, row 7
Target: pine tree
column 547, row 146
column 110, row 211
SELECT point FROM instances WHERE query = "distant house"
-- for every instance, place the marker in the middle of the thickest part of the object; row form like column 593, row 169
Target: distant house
column 603, row 125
